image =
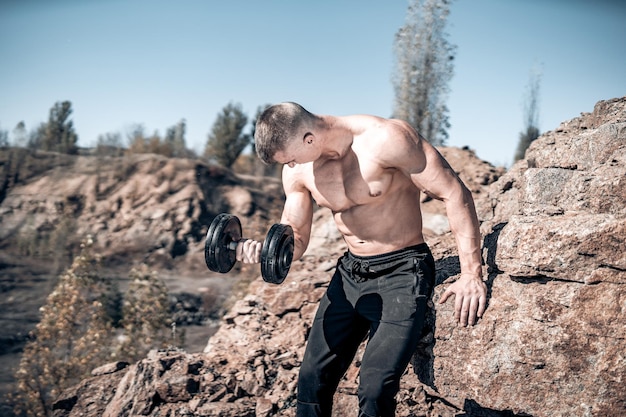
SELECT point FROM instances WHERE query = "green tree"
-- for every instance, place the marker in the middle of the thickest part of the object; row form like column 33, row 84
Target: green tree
column 531, row 115
column 145, row 315
column 226, row 140
column 424, row 68
column 175, row 139
column 58, row 133
column 70, row 340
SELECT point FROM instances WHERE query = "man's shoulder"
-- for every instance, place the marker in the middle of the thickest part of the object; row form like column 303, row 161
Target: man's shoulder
column 380, row 132
column 297, row 178
column 392, row 143
column 366, row 122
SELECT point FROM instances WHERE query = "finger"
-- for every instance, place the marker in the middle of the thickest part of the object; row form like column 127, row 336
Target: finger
column 473, row 307
column 465, row 307
column 257, row 253
column 446, row 294
column 458, row 306
column 252, row 251
column 482, row 305
column 250, row 247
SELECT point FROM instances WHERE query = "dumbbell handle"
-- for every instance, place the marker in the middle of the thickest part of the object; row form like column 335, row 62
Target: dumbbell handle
column 232, row 245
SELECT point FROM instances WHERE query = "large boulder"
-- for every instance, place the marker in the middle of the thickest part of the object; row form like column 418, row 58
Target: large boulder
column 552, row 342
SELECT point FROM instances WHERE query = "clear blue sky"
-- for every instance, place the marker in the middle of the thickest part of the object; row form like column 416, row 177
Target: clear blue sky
column 154, row 62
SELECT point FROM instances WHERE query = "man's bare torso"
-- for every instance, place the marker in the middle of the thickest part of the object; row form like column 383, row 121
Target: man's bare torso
column 376, row 208
column 370, row 172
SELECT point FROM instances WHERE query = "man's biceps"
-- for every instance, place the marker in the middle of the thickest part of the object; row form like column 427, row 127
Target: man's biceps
column 296, row 211
column 421, row 186
column 438, row 187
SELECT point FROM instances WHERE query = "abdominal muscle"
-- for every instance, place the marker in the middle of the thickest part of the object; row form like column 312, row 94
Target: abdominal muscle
column 383, row 226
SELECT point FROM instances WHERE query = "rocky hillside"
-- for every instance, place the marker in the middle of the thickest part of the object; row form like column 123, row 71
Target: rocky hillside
column 139, row 209
column 551, row 342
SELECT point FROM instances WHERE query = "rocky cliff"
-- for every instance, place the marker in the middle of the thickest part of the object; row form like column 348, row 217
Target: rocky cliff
column 551, row 342
column 138, row 209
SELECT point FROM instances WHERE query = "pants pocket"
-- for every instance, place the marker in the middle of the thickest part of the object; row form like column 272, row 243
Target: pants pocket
column 424, row 272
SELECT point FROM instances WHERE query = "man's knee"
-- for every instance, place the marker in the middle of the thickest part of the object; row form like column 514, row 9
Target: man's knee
column 305, row 409
column 312, row 387
column 377, row 396
column 308, row 382
column 314, row 398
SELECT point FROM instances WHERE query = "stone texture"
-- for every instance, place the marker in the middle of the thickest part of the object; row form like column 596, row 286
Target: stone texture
column 139, row 204
column 555, row 227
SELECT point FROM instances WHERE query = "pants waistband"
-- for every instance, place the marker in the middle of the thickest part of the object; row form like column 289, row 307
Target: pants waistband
column 383, row 258
column 363, row 268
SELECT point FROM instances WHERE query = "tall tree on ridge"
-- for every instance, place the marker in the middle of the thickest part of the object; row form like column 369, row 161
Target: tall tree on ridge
column 424, row 67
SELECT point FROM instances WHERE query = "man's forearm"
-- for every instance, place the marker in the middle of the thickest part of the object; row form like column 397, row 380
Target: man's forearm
column 465, row 228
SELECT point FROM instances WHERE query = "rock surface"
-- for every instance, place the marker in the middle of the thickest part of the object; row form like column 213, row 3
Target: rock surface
column 553, row 340
column 551, row 343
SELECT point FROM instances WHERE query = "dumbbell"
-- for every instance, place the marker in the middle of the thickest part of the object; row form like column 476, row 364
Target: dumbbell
column 225, row 233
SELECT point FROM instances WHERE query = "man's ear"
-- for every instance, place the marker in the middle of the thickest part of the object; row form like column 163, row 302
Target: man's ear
column 308, row 138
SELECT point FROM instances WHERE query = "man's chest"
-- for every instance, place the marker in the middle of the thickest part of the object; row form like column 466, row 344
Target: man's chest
column 343, row 184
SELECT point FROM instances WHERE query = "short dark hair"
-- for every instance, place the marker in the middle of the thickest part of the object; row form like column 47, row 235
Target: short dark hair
column 276, row 125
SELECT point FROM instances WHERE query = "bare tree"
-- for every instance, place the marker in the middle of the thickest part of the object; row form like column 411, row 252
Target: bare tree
column 137, row 140
column 531, row 114
column 110, row 144
column 424, row 67
column 4, row 138
column 145, row 314
column 71, row 339
column 20, row 136
column 76, row 332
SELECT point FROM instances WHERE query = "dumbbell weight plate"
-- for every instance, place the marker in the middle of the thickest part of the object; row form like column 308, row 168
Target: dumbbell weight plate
column 224, row 229
column 277, row 253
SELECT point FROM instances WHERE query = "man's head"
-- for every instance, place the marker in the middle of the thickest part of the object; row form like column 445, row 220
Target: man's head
column 278, row 125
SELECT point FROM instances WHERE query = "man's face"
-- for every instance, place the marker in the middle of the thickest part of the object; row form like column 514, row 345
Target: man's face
column 296, row 151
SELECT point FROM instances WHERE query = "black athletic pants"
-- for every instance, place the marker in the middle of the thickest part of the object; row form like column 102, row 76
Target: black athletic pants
column 385, row 295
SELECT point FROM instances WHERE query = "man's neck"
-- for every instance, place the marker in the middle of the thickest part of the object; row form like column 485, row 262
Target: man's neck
column 336, row 137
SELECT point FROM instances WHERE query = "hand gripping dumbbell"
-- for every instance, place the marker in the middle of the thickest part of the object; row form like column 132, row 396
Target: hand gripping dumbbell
column 225, row 233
